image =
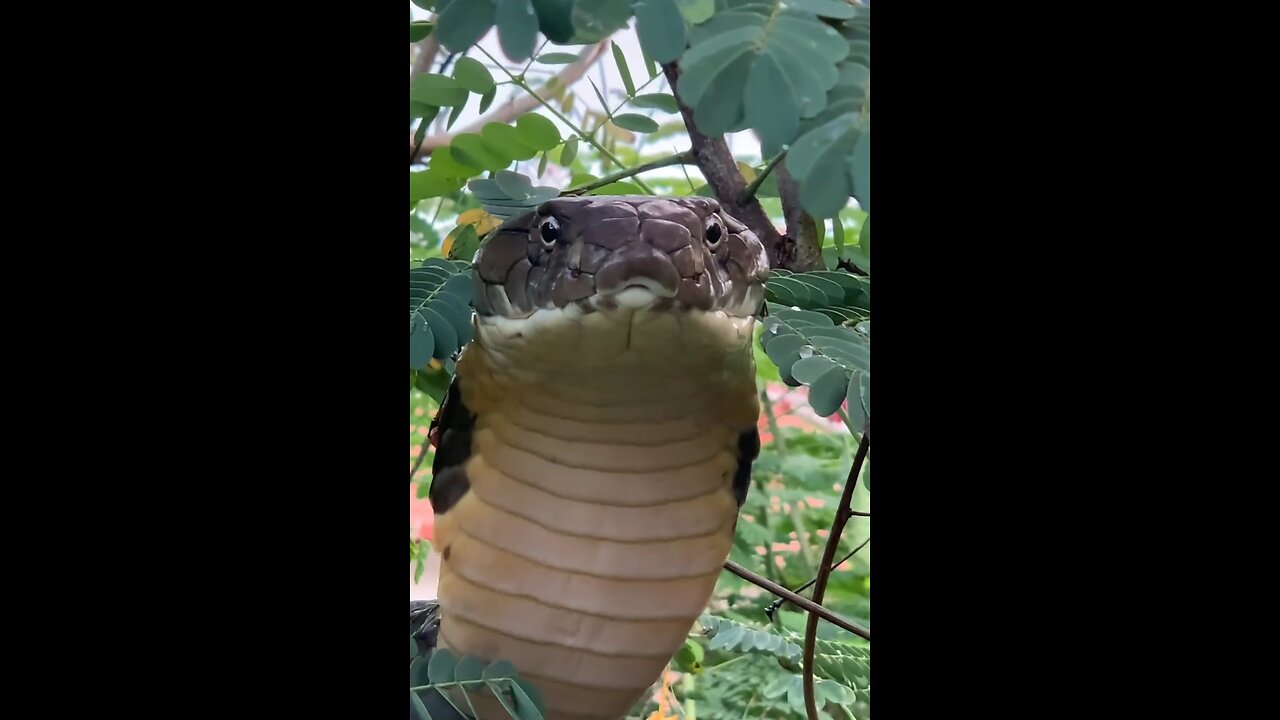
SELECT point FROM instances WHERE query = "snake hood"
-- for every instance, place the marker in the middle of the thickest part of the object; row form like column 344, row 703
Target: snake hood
column 596, row 444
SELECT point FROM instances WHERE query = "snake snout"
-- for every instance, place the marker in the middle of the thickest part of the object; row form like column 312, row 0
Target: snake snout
column 638, row 265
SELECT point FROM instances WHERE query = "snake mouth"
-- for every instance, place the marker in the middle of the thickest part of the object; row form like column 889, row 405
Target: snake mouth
column 638, row 296
column 637, row 293
column 656, row 287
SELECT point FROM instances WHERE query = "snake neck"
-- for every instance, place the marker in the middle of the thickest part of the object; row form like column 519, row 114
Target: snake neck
column 600, row 506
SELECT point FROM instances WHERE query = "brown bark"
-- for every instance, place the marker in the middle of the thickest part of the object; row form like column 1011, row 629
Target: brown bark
column 721, row 171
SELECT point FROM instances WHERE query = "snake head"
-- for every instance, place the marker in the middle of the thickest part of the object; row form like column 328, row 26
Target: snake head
column 617, row 252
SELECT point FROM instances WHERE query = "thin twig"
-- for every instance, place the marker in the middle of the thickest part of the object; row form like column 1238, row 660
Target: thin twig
column 812, row 607
column 772, row 607
column 436, row 214
column 848, row 422
column 511, row 109
column 572, row 125
column 677, row 159
column 688, row 179
column 750, row 192
column 778, row 441
column 824, row 572
column 610, row 113
column 534, row 56
column 797, row 518
column 845, row 559
column 770, row 559
column 444, row 64
column 771, row 564
column 418, row 138
column 707, row 669
column 422, row 455
column 802, row 537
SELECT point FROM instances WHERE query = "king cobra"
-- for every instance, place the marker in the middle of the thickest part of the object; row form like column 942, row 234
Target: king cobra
column 595, row 446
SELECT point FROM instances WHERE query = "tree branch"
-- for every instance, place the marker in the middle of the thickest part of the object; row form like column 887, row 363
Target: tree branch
column 815, row 610
column 677, row 159
column 802, row 231
column 721, row 171
column 843, row 513
column 518, row 105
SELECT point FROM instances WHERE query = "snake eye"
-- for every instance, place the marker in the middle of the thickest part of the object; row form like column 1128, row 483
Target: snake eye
column 714, row 233
column 550, row 231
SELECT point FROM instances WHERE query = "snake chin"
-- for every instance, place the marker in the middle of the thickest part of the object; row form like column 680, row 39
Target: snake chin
column 559, row 340
column 640, row 294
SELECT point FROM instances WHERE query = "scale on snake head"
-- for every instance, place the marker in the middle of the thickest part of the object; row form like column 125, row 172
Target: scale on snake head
column 595, row 446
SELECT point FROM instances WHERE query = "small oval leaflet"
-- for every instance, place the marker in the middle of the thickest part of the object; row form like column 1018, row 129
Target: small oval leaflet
column 556, row 58
column 635, row 122
column 473, row 75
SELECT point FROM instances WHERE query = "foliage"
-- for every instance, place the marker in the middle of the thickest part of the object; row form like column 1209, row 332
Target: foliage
column 797, row 74
column 843, row 297
column 834, row 361
column 509, row 194
column 439, row 311
column 842, row 668
column 418, row 555
column 468, row 677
